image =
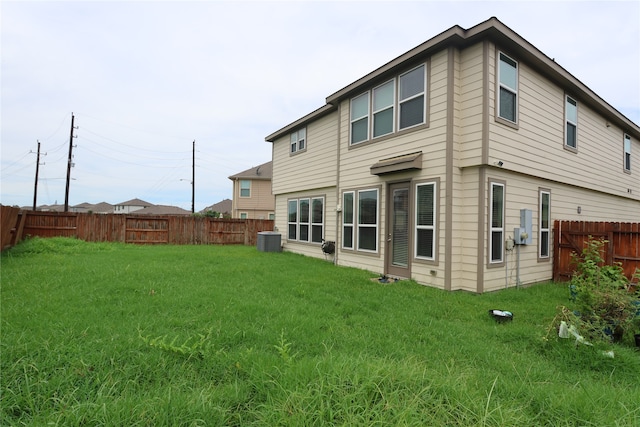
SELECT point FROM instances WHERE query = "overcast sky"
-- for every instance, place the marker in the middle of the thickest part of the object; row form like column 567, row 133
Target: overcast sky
column 145, row 79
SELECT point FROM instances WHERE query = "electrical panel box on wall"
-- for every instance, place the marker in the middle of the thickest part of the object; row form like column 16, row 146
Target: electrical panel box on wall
column 526, row 223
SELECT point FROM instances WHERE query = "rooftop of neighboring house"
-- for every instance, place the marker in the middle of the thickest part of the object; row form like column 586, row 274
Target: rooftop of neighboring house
column 134, row 202
column 161, row 210
column 223, row 207
column 263, row 171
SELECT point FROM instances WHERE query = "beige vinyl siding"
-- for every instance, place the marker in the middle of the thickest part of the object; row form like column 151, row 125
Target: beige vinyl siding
column 470, row 101
column 537, row 146
column 316, row 167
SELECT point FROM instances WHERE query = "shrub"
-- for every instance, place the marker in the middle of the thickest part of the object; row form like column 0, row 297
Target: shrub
column 604, row 308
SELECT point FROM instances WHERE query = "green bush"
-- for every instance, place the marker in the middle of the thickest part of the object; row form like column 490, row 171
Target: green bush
column 604, row 307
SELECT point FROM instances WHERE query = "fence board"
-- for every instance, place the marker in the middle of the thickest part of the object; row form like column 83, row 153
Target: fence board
column 622, row 245
column 138, row 229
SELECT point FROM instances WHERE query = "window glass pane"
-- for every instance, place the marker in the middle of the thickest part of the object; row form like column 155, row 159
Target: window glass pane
column 544, row 223
column 367, row 207
column 367, row 238
column 359, row 130
column 571, row 135
column 294, row 142
column 412, row 83
column 508, row 72
column 425, row 202
column 412, row 112
column 304, row 210
column 383, row 96
column 383, row 122
column 360, row 106
column 496, row 246
column 316, row 233
column 347, row 237
column 424, row 245
column 544, row 244
column 293, row 211
column 572, row 110
column 347, row 208
column 304, row 232
column 507, row 104
column 496, row 208
column 317, row 211
column 292, row 231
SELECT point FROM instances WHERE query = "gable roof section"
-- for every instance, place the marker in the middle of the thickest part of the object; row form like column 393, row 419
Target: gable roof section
column 223, row 206
column 261, row 172
column 135, row 202
column 457, row 37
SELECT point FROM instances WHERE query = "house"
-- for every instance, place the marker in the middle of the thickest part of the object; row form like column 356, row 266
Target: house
column 102, row 208
column 252, row 196
column 450, row 163
column 223, row 207
column 161, row 210
column 130, row 206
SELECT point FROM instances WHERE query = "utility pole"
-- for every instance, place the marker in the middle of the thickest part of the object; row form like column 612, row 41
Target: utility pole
column 35, row 186
column 193, row 178
column 69, row 165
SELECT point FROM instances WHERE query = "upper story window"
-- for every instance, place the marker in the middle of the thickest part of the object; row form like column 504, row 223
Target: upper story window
column 571, row 127
column 383, row 100
column 245, row 188
column 299, row 140
column 395, row 105
column 508, row 97
column 627, row 153
column 412, row 98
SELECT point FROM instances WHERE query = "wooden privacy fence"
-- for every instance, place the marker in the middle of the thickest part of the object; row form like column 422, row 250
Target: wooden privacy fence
column 622, row 245
column 142, row 229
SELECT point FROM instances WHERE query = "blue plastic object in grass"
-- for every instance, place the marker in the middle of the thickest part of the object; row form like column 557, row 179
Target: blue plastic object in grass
column 501, row 315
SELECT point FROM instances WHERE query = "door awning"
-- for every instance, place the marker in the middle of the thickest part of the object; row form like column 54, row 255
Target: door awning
column 412, row 161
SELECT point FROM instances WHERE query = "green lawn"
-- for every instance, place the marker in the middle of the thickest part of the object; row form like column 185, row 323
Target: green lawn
column 109, row 334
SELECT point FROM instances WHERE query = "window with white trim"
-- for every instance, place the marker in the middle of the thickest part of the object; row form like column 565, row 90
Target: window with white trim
column 425, row 246
column 496, row 222
column 373, row 113
column 298, row 140
column 383, row 100
column 627, row 153
column 360, row 118
column 244, row 215
column 348, row 217
column 245, row 188
column 544, row 212
column 306, row 219
column 411, row 99
column 360, row 227
column 508, row 88
column 571, row 127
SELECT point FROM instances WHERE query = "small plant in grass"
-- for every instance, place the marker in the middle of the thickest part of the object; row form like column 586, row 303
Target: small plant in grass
column 192, row 347
column 604, row 308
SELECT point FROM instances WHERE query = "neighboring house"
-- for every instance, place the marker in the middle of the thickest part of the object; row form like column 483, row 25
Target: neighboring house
column 428, row 166
column 252, row 196
column 130, row 206
column 223, row 207
column 161, row 210
column 102, row 208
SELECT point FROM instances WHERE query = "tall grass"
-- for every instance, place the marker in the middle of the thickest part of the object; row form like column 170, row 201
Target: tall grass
column 109, row 334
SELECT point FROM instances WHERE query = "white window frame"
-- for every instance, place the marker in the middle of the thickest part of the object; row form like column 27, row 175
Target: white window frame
column 542, row 230
column 626, row 149
column 354, row 120
column 513, row 90
column 298, row 140
column 412, row 97
column 429, row 227
column 568, row 122
column 298, row 224
column 351, row 224
column 244, row 215
column 361, row 226
column 376, row 112
column 496, row 229
column 242, row 188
